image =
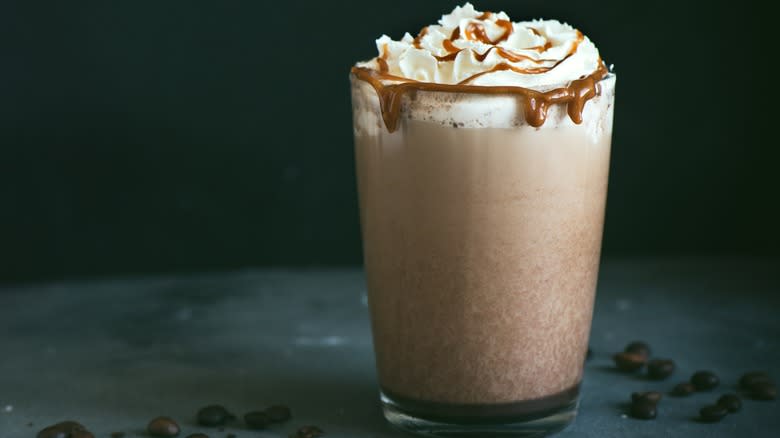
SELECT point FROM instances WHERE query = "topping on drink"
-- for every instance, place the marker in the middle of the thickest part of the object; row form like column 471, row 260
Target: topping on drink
column 545, row 62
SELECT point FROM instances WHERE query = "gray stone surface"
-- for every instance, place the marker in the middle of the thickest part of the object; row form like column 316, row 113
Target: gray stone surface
column 115, row 353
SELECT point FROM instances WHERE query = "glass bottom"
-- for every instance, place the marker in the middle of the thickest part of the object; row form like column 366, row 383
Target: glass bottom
column 532, row 418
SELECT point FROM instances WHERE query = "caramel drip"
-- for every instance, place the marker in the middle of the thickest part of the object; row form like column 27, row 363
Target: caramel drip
column 510, row 56
column 476, row 31
column 382, row 60
column 548, row 44
column 541, row 49
column 508, row 29
column 448, row 46
column 535, row 103
column 506, row 54
column 419, row 37
column 515, row 57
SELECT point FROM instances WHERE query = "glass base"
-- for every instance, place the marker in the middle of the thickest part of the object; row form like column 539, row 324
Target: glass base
column 406, row 415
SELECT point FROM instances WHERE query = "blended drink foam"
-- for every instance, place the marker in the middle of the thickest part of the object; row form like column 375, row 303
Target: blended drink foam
column 482, row 179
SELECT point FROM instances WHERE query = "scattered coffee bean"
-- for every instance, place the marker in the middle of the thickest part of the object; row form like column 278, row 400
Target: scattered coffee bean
column 683, row 389
column 713, row 413
column 308, row 432
column 705, row 380
column 638, row 347
column 659, row 369
column 752, row 378
column 650, row 396
column 81, row 434
column 629, row 361
column 117, row 435
column 763, row 391
column 163, row 427
column 257, row 420
column 52, row 432
column 643, row 410
column 63, row 429
column 731, row 402
column 278, row 413
column 213, row 415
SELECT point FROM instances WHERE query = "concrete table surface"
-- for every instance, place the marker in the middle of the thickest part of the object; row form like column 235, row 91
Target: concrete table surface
column 114, row 353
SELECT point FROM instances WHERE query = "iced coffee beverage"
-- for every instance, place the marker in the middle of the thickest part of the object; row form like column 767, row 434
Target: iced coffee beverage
column 482, row 149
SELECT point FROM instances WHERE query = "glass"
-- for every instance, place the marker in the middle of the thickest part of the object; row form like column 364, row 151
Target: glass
column 482, row 237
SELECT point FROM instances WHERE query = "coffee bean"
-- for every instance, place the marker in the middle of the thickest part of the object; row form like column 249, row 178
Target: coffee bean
column 257, row 420
column 638, row 347
column 81, row 434
column 63, row 429
column 763, row 391
column 643, row 410
column 629, row 361
column 713, row 413
column 197, row 435
column 752, row 378
column 278, row 413
column 659, row 369
column 53, row 432
column 308, row 432
column 731, row 402
column 705, row 380
column 683, row 389
column 163, row 427
column 651, row 396
column 213, row 415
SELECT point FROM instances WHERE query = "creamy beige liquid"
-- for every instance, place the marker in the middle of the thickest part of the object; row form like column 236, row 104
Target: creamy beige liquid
column 481, row 249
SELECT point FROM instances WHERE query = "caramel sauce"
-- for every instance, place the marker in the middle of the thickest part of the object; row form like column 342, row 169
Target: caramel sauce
column 382, row 60
column 510, row 56
column 508, row 29
column 448, row 46
column 419, row 37
column 535, row 103
column 476, row 31
column 541, row 49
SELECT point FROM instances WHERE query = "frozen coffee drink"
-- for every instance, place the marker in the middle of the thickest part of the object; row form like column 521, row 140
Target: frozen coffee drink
column 482, row 150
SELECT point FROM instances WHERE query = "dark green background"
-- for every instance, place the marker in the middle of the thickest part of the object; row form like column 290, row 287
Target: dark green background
column 141, row 136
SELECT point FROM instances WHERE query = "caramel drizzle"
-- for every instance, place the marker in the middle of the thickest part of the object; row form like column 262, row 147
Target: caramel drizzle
column 419, row 37
column 535, row 103
column 382, row 60
column 476, row 31
column 548, row 44
column 533, row 71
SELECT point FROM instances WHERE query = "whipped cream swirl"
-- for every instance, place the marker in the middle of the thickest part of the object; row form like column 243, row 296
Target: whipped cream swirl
column 469, row 47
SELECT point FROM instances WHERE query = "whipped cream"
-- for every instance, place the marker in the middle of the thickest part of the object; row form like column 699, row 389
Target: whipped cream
column 488, row 49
